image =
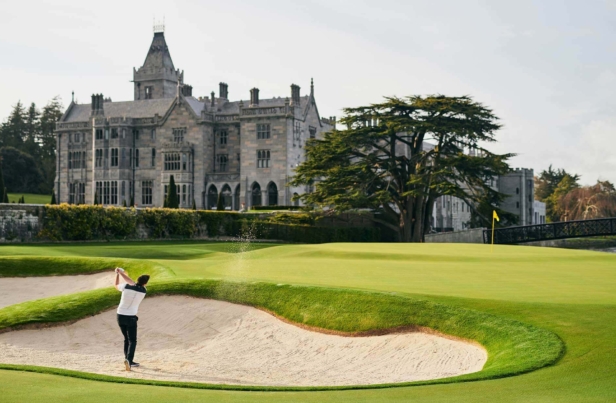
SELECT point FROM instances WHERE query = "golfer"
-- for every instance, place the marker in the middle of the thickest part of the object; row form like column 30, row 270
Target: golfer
column 132, row 295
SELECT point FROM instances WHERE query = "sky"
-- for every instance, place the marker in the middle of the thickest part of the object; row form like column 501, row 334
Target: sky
column 546, row 68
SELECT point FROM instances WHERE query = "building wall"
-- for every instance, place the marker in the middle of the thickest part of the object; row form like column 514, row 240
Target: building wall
column 519, row 186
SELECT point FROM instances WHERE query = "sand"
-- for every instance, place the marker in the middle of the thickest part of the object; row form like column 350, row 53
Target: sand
column 14, row 290
column 199, row 340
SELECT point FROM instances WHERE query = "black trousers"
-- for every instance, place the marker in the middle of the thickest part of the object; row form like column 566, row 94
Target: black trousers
column 128, row 326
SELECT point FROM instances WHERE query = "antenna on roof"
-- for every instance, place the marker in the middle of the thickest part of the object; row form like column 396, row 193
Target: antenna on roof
column 159, row 26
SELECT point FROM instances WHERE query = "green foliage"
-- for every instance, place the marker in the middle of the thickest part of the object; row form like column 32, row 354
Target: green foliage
column 292, row 218
column 194, row 205
column 124, row 203
column 2, row 186
column 381, row 161
column 269, row 208
column 21, row 173
column 173, row 200
column 513, row 347
column 96, row 199
column 5, row 195
column 53, row 198
column 306, row 233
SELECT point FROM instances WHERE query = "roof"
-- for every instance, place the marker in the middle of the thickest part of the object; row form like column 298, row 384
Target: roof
column 129, row 109
column 195, row 104
column 158, row 55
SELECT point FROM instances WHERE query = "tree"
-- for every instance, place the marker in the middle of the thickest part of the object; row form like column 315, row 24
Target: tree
column 53, row 198
column 32, row 132
column 5, row 198
column 172, row 197
column 194, row 206
column 2, row 186
column 12, row 131
column 96, row 200
column 588, row 202
column 124, row 203
column 132, row 201
column 553, row 209
column 21, row 173
column 398, row 156
column 548, row 180
column 52, row 112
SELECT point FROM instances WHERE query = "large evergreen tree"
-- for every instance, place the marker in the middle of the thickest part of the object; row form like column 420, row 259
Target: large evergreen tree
column 21, row 173
column 32, row 132
column 52, row 112
column 173, row 200
column 398, row 156
column 2, row 186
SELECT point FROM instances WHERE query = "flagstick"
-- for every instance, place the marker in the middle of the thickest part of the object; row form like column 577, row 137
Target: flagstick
column 492, row 246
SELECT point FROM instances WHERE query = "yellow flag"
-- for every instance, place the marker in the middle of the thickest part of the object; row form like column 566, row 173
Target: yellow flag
column 495, row 216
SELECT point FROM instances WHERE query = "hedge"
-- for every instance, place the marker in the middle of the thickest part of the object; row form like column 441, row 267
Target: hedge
column 267, row 208
column 67, row 222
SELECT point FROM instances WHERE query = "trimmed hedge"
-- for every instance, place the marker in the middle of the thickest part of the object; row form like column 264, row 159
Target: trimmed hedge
column 67, row 222
column 267, row 208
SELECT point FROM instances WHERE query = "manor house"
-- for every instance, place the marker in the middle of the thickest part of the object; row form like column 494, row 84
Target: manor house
column 243, row 151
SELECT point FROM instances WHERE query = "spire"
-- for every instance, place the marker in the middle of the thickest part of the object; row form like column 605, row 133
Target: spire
column 158, row 56
column 157, row 77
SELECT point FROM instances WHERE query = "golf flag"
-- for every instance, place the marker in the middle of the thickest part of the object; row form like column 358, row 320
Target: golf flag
column 494, row 217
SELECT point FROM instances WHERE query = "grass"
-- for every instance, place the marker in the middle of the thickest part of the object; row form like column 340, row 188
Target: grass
column 30, row 198
column 567, row 292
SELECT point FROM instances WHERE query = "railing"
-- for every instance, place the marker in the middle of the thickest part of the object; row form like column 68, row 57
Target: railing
column 270, row 110
column 557, row 230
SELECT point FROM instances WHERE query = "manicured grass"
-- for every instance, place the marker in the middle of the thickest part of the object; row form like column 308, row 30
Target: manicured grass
column 513, row 347
column 30, row 198
column 568, row 292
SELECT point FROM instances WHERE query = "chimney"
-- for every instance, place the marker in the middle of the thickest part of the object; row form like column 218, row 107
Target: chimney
column 224, row 91
column 294, row 94
column 254, row 97
column 213, row 97
column 187, row 90
column 97, row 104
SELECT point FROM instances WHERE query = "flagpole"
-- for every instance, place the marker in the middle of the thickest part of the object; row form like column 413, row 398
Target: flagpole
column 492, row 246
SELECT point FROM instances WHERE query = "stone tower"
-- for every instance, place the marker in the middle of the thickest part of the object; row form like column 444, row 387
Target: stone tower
column 157, row 78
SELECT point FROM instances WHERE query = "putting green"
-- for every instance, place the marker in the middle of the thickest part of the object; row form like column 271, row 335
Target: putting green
column 567, row 292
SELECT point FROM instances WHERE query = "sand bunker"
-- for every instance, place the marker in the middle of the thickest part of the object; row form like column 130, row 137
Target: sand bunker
column 198, row 340
column 14, row 290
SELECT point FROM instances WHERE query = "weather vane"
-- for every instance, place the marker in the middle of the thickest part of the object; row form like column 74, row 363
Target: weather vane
column 158, row 26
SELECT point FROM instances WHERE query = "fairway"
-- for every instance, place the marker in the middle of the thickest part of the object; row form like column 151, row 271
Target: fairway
column 30, row 198
column 568, row 292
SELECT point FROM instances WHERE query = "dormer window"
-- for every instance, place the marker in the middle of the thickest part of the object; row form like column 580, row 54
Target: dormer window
column 148, row 92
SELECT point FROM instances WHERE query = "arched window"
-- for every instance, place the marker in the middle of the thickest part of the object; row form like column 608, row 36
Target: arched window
column 212, row 197
column 236, row 197
column 227, row 197
column 296, row 202
column 272, row 194
column 256, row 194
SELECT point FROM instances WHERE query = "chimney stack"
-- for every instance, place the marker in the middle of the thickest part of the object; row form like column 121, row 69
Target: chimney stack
column 213, row 94
column 254, row 97
column 97, row 104
column 187, row 90
column 224, row 91
column 294, row 94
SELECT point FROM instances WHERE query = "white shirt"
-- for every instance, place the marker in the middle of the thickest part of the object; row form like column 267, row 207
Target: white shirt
column 132, row 295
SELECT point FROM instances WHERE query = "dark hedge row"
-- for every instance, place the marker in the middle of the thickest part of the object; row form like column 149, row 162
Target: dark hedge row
column 87, row 222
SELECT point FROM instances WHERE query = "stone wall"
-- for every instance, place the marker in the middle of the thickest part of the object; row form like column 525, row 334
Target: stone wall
column 19, row 222
column 469, row 236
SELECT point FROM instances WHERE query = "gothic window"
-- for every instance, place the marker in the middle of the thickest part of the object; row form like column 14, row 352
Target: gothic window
column 222, row 162
column 137, row 158
column 272, row 194
column 184, row 195
column 77, row 135
column 223, row 135
column 178, row 134
column 106, row 192
column 153, row 157
column 123, row 189
column 172, row 162
column 99, row 157
column 106, row 161
column 136, row 134
column 256, row 194
column 123, row 157
column 227, row 197
column 70, row 160
column 263, row 131
column 313, row 132
column 71, row 193
column 212, row 197
column 114, row 133
column 99, row 134
column 148, row 92
column 106, row 133
column 99, row 190
column 183, row 162
column 81, row 197
column 114, row 192
column 123, row 133
column 263, row 158
column 146, row 192
column 236, row 197
column 114, row 157
column 153, row 134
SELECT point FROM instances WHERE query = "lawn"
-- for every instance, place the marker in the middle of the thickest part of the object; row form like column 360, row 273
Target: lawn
column 30, row 198
column 568, row 292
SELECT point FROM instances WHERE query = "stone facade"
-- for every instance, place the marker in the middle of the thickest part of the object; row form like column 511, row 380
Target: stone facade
column 245, row 152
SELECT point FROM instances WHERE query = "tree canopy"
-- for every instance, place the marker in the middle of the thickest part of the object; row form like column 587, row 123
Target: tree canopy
column 21, row 173
column 173, row 200
column 398, row 156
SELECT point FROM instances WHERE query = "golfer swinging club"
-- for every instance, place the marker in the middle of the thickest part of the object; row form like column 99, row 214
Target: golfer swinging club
column 132, row 295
